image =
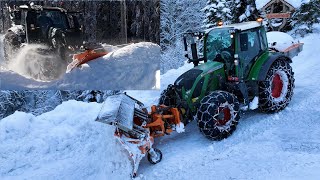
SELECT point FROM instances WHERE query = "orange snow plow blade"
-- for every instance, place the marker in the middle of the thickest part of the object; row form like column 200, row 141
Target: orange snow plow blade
column 136, row 128
column 85, row 57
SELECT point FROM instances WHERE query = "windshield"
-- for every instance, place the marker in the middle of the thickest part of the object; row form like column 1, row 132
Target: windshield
column 58, row 19
column 219, row 42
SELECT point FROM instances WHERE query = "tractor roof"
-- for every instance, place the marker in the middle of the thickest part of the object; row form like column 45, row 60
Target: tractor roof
column 241, row 26
column 39, row 8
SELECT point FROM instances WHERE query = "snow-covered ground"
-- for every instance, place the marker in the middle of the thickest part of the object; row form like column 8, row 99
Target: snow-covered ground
column 62, row 144
column 136, row 66
column 67, row 143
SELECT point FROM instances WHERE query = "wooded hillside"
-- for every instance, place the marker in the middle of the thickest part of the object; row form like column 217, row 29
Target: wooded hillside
column 112, row 22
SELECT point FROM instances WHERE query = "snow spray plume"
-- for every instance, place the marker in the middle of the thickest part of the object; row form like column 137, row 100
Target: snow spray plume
column 34, row 61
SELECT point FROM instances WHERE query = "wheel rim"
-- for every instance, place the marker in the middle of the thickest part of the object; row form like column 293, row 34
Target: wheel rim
column 224, row 116
column 277, row 86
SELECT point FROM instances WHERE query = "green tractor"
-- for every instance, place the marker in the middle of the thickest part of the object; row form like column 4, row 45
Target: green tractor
column 236, row 71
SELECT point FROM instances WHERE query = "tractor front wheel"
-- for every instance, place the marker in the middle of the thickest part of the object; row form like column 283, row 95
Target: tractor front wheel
column 168, row 97
column 276, row 91
column 218, row 115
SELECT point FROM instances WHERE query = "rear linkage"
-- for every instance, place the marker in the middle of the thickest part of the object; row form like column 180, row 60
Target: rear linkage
column 136, row 128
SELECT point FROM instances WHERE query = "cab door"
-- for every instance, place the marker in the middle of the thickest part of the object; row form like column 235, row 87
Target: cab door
column 252, row 43
column 32, row 29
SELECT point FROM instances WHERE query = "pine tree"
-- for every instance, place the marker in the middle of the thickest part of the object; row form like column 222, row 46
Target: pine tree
column 217, row 10
column 232, row 11
column 243, row 10
column 308, row 14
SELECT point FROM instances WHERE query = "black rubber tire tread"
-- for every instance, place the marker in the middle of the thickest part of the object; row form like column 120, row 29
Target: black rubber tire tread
column 58, row 42
column 209, row 106
column 167, row 97
column 159, row 154
column 266, row 101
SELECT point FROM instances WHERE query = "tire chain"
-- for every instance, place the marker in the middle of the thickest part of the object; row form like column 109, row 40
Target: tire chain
column 205, row 116
column 266, row 101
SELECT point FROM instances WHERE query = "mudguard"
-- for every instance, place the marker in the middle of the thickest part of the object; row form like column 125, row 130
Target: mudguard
column 267, row 64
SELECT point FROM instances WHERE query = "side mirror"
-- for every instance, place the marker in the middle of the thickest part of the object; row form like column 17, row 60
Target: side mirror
column 244, row 42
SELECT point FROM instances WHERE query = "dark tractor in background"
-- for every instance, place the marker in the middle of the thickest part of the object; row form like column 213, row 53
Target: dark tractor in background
column 55, row 28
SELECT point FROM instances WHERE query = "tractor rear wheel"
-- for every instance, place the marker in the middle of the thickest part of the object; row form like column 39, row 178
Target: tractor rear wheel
column 218, row 115
column 276, row 91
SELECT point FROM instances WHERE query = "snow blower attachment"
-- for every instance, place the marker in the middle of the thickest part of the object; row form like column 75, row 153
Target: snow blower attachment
column 136, row 128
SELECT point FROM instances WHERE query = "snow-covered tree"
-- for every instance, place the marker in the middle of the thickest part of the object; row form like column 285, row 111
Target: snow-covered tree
column 10, row 101
column 40, row 101
column 243, row 10
column 217, row 10
column 232, row 11
column 178, row 17
column 306, row 16
column 145, row 19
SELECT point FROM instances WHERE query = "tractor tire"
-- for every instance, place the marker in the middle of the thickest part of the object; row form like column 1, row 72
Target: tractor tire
column 58, row 42
column 159, row 156
column 218, row 115
column 168, row 97
column 276, row 91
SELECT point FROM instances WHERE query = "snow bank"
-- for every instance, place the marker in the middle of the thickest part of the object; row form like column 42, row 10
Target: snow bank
column 282, row 40
column 135, row 66
column 131, row 67
column 65, row 143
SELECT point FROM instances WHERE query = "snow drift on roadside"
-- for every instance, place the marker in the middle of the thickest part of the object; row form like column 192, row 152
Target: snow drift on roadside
column 131, row 67
column 65, row 143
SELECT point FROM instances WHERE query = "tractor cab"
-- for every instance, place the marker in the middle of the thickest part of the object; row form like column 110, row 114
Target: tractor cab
column 237, row 46
column 39, row 22
column 220, row 46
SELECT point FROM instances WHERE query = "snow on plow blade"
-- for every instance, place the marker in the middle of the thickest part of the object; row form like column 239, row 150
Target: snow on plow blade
column 136, row 128
column 84, row 57
column 118, row 110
